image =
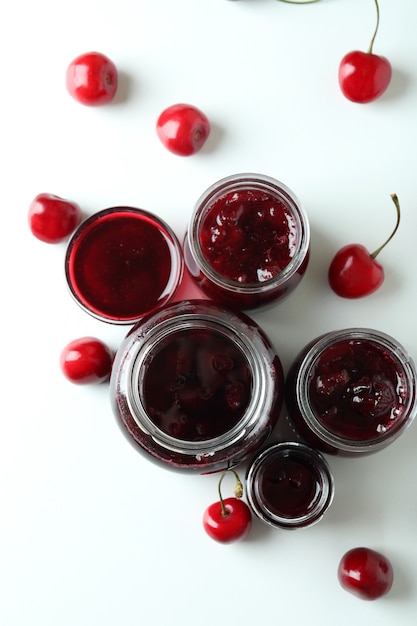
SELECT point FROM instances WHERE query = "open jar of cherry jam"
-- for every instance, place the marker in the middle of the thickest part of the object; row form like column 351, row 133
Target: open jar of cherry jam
column 123, row 263
column 247, row 242
column 197, row 387
column 289, row 485
column 352, row 391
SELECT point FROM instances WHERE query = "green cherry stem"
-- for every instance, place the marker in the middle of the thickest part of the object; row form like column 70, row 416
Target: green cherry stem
column 397, row 206
column 371, row 45
column 294, row 2
column 238, row 490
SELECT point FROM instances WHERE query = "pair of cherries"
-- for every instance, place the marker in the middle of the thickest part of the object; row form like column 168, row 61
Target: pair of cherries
column 92, row 80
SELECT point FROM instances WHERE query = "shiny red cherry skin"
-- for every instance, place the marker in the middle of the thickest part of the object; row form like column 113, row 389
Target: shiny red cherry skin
column 354, row 273
column 52, row 219
column 92, row 79
column 365, row 573
column 183, row 129
column 229, row 527
column 364, row 76
column 86, row 360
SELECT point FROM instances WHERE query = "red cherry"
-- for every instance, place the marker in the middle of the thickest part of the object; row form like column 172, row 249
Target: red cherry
column 228, row 520
column 52, row 219
column 364, row 76
column 365, row 573
column 353, row 272
column 86, row 360
column 183, row 129
column 92, row 79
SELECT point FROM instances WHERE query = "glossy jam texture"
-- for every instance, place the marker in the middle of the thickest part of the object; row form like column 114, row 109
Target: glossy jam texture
column 119, row 268
column 248, row 236
column 290, row 486
column 357, row 390
column 196, row 385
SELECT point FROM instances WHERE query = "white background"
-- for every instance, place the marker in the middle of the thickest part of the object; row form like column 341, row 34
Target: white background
column 90, row 531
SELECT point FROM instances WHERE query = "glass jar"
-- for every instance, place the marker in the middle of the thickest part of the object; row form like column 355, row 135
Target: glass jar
column 289, row 485
column 197, row 387
column 352, row 391
column 122, row 263
column 248, row 241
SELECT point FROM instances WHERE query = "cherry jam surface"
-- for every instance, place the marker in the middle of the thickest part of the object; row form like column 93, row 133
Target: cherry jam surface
column 247, row 243
column 357, row 390
column 196, row 385
column 248, row 236
column 122, row 263
column 290, row 486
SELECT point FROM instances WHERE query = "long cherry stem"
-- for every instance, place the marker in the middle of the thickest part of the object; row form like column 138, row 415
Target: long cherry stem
column 397, row 206
column 238, row 490
column 371, row 45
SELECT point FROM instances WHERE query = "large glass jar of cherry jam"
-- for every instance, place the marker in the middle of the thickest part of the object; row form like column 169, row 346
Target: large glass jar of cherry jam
column 352, row 391
column 247, row 242
column 197, row 387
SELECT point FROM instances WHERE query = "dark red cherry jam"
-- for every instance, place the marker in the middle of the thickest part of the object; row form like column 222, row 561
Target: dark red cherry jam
column 257, row 224
column 122, row 263
column 248, row 241
column 290, row 485
column 357, row 389
column 197, row 386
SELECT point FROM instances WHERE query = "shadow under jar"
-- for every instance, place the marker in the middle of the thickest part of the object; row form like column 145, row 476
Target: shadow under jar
column 247, row 243
column 197, row 387
column 352, row 392
column 122, row 263
column 289, row 486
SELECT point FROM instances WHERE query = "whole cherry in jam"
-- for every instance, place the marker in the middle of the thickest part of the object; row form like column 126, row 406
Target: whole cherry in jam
column 230, row 519
column 364, row 76
column 92, row 79
column 86, row 360
column 183, row 129
column 196, row 385
column 365, row 573
column 354, row 272
column 52, row 219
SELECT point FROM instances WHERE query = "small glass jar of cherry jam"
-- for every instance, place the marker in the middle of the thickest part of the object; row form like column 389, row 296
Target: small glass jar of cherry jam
column 247, row 243
column 352, row 392
column 122, row 263
column 289, row 485
column 197, row 387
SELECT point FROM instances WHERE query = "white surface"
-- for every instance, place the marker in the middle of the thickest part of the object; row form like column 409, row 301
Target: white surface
column 91, row 532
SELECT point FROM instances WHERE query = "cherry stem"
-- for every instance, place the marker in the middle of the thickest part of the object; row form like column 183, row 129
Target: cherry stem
column 238, row 490
column 397, row 206
column 371, row 45
column 294, row 2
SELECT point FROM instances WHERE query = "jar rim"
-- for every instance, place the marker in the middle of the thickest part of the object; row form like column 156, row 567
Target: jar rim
column 398, row 354
column 249, row 181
